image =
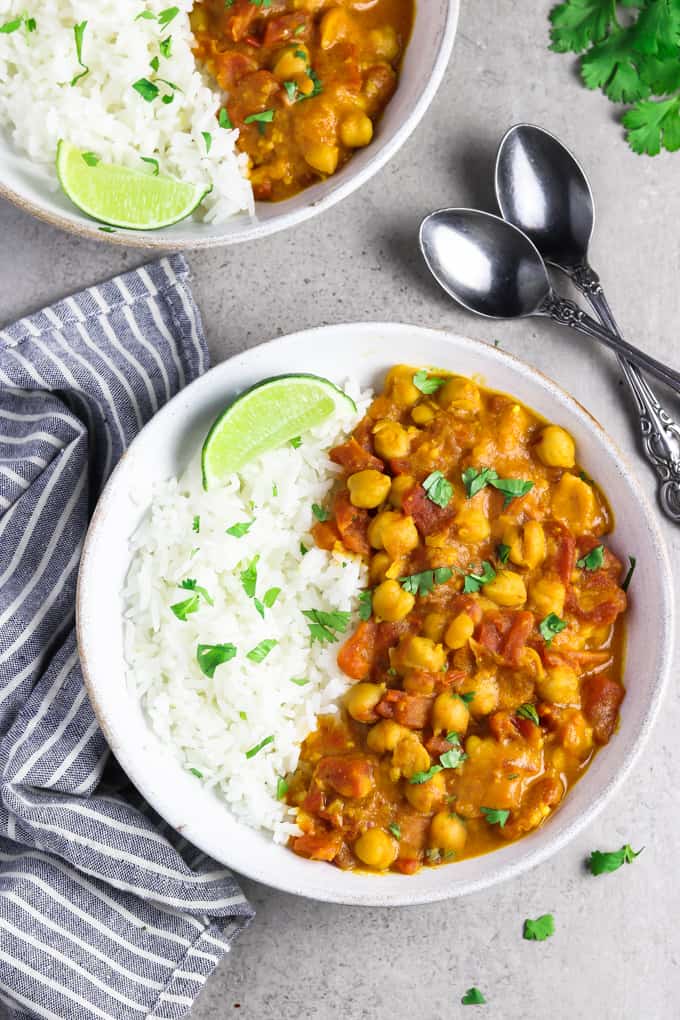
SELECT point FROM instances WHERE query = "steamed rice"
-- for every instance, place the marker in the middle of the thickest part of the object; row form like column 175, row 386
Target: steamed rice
column 211, row 723
column 101, row 112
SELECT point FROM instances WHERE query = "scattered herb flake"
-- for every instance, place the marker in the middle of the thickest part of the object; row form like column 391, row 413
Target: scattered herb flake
column 601, row 862
column 592, row 560
column 260, row 608
column 473, row 581
column 145, row 16
column 453, row 738
column 528, row 711
column 184, row 609
column 243, row 715
column 395, row 830
column 249, row 577
column 467, row 697
column 91, row 158
column 79, row 32
column 281, row 788
column 503, row 552
column 11, row 26
column 325, row 627
column 166, row 16
column 260, row 652
column 196, row 524
column 209, row 657
column 365, row 605
column 165, row 46
column 453, row 758
column 475, row 479
column 207, row 138
column 424, row 582
column 550, row 626
column 195, row 772
column 189, row 584
column 320, row 512
column 152, row 163
column 422, row 777
column 258, row 747
column 540, row 929
column 291, row 90
column 631, row 571
column 146, row 89
column 296, row 442
column 427, row 383
column 496, row 816
column 473, row 997
column 300, row 681
column 438, row 489
column 223, row 120
column 154, row 63
column 270, row 596
column 303, row 549
column 241, row 529
column 31, row 24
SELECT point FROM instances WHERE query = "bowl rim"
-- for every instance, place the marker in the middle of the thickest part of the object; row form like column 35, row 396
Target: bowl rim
column 555, row 842
column 255, row 229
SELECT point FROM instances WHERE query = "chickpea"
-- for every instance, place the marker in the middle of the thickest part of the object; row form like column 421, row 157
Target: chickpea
column 447, row 832
column 384, row 43
column 449, row 714
column 368, row 489
column 422, row 414
column 335, row 27
column 555, row 447
column 390, row 440
column 400, row 486
column 292, row 61
column 506, row 589
column 418, row 681
column 486, row 695
column 409, row 757
column 527, row 546
column 425, row 797
column 546, row 596
column 473, row 525
column 512, row 424
column 385, row 736
column 378, row 567
column 391, row 602
column 560, row 685
column 400, row 386
column 573, row 502
column 378, row 525
column 322, row 157
column 361, row 699
column 459, row 631
column 420, row 653
column 400, row 537
column 433, row 626
column 461, row 395
column 377, row 849
column 356, row 130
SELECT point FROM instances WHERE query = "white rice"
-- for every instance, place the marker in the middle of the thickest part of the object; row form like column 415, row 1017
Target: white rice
column 101, row 112
column 202, row 719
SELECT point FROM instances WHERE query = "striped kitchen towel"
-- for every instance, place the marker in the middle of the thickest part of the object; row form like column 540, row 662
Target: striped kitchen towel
column 104, row 911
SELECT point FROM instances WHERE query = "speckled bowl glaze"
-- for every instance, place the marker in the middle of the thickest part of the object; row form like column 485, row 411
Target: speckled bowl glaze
column 424, row 65
column 364, row 351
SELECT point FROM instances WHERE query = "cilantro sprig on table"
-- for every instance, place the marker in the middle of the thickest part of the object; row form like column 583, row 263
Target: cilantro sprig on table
column 631, row 51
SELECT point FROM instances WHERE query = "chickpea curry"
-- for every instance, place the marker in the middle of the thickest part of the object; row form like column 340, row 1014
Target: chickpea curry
column 487, row 662
column 306, row 80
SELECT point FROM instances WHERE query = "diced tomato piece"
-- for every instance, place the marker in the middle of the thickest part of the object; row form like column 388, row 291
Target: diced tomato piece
column 357, row 655
column 437, row 745
column 231, row 66
column 388, row 635
column 504, row 727
column 406, row 865
column 506, row 634
column 428, row 517
column 350, row 777
column 412, row 710
column 611, row 564
column 253, row 95
column 467, row 604
column 563, row 551
column 601, row 697
column 238, row 24
column 353, row 457
column 516, row 638
column 285, row 27
column 596, row 598
column 323, row 847
column 325, row 534
column 414, row 830
column 314, row 801
column 352, row 523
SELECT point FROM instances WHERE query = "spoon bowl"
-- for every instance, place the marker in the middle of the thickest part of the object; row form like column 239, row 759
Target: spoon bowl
column 484, row 263
column 542, row 188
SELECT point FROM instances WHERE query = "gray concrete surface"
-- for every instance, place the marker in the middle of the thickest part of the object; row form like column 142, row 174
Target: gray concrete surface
column 616, row 951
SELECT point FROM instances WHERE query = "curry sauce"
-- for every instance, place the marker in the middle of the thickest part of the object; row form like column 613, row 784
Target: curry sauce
column 487, row 662
column 305, row 80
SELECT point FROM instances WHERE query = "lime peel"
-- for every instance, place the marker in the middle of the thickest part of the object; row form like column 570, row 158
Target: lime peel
column 267, row 416
column 121, row 197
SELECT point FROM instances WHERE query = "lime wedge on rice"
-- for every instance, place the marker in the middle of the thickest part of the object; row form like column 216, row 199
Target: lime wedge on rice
column 121, row 197
column 267, row 415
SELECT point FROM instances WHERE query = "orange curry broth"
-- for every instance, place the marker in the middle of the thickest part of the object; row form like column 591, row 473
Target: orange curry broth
column 416, row 655
column 320, row 71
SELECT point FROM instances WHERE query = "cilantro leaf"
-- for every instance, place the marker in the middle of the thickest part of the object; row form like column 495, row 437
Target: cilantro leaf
column 165, row 46
column 474, row 480
column 592, row 560
column 550, row 626
column 365, row 605
column 281, row 788
column 602, row 862
column 195, row 772
column 612, row 66
column 224, row 121
column 91, row 158
column 320, row 512
column 473, row 581
column 578, row 23
column 495, row 816
column 540, row 929
column 467, row 697
column 427, row 383
column 166, row 16
column 503, row 552
column 296, row 442
column 473, row 997
column 453, row 758
column 438, row 489
column 325, row 627
column 260, row 652
column 528, row 711
column 258, row 747
column 270, row 596
column 184, row 609
column 424, row 582
column 239, row 530
column 209, row 657
column 153, row 163
column 146, row 89
column 299, row 681
column 422, row 777
column 189, row 584
column 207, row 138
column 652, row 125
column 196, row 524
column 395, row 830
column 249, row 577
column 79, row 33
column 11, row 26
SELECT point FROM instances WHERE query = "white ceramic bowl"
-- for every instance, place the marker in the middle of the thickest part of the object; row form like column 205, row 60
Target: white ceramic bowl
column 163, row 448
column 426, row 58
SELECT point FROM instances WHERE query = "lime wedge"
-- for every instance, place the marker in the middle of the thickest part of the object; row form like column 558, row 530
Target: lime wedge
column 122, row 197
column 267, row 415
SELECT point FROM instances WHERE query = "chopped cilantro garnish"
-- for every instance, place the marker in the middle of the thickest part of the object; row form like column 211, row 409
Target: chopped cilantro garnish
column 395, row 830
column 153, row 163
column 475, row 479
column 503, row 552
column 184, row 609
column 631, row 571
column 260, row 652
column 424, row 582
column 550, row 626
column 79, row 32
column 145, row 16
column 467, row 697
column 154, row 63
column 453, row 738
column 224, row 121
column 91, row 158
column 422, row 777
column 601, row 862
column 438, row 489
column 31, row 24
column 295, row 442
column 325, row 627
column 243, row 715
column 249, row 577
column 300, row 681
column 365, row 605
column 207, row 138
column 474, row 581
column 196, row 524
column 528, row 711
column 209, row 657
column 261, row 119
column 281, row 788
column 165, row 46
column 241, row 529
column 270, row 596
column 11, row 26
column 427, row 383
column 320, row 512
column 195, row 772
column 592, row 560
column 189, row 584
column 473, row 997
column 495, row 816
column 166, row 16
column 453, row 758
column 539, row 929
column 146, row 89
column 291, row 90
column 303, row 549
column 258, row 747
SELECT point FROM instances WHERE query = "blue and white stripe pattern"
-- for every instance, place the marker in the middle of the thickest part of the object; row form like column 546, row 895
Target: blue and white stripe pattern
column 105, row 912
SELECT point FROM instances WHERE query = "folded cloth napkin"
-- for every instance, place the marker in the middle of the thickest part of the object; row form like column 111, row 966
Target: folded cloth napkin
column 104, row 911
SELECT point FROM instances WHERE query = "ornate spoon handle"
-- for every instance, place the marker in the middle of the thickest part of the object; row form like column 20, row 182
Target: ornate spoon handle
column 568, row 313
column 660, row 434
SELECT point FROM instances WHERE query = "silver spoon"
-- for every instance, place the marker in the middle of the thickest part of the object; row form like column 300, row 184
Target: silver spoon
column 542, row 189
column 492, row 268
